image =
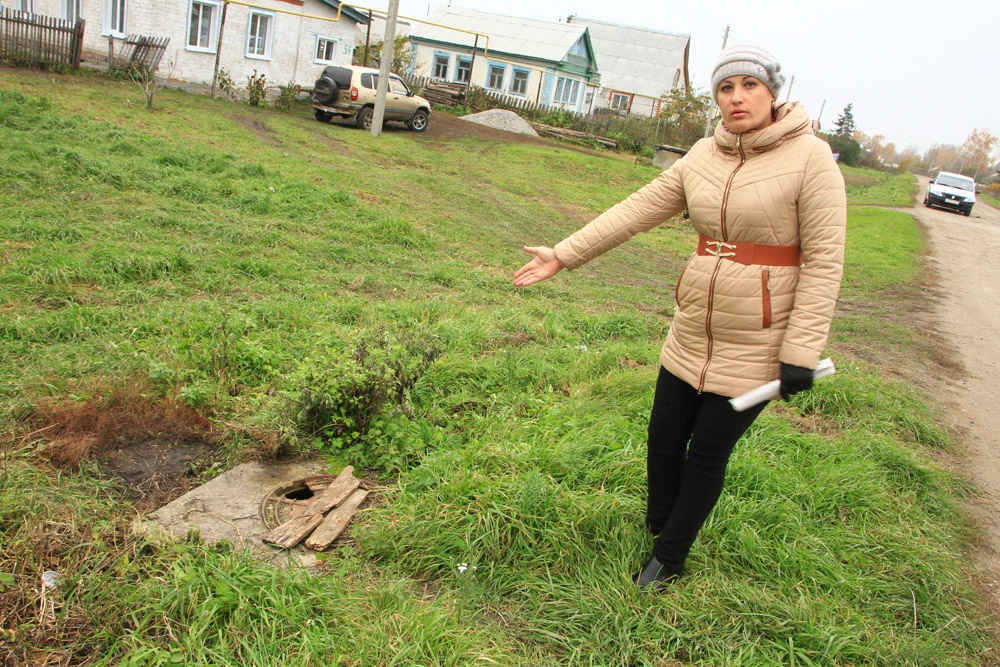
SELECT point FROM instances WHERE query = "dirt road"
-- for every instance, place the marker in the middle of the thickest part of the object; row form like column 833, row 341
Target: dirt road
column 966, row 254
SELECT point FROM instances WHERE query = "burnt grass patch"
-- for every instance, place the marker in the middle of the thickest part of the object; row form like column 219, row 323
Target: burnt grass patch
column 153, row 446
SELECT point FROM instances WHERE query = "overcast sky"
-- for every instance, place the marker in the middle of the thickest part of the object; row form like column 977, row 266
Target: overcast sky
column 917, row 72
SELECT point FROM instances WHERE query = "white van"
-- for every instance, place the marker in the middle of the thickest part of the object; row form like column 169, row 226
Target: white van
column 952, row 191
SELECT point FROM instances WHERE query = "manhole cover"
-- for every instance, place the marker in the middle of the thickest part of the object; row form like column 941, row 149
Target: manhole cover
column 288, row 500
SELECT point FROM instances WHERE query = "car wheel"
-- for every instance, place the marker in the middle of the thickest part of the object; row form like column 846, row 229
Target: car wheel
column 324, row 91
column 925, row 203
column 419, row 121
column 322, row 116
column 967, row 212
column 365, row 118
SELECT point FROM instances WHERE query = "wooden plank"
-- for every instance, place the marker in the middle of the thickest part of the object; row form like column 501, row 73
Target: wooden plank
column 335, row 522
column 293, row 531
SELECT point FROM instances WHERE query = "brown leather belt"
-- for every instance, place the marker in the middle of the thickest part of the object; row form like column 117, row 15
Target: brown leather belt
column 751, row 253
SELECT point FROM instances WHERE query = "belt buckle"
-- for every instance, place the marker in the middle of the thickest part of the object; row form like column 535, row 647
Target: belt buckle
column 722, row 249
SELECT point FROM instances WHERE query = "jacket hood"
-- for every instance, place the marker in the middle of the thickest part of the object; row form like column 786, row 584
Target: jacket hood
column 792, row 121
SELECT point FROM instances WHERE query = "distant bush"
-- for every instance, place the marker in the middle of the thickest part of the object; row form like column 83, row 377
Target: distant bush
column 848, row 149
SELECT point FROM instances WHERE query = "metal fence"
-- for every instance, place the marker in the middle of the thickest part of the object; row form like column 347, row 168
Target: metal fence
column 33, row 39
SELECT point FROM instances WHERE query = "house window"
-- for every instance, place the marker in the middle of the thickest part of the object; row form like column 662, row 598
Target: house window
column 116, row 11
column 464, row 71
column 441, row 62
column 519, row 83
column 620, row 101
column 71, row 10
column 201, row 24
column 566, row 91
column 495, row 80
column 259, row 34
column 326, row 51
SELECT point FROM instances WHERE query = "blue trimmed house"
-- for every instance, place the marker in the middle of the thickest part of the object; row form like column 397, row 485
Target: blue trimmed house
column 542, row 62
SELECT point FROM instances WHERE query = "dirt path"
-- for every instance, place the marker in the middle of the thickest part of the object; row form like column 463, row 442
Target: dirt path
column 966, row 255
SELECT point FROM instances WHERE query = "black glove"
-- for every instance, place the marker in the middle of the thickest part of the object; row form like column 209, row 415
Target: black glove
column 794, row 379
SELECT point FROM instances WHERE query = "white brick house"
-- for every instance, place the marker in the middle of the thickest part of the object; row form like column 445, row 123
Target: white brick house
column 284, row 47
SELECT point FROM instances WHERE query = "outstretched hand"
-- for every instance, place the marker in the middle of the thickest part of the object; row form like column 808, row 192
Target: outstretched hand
column 543, row 266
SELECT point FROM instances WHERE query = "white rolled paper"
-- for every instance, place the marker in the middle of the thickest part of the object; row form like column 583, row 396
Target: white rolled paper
column 772, row 390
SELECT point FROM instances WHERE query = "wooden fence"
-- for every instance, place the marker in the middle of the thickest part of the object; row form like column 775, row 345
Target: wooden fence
column 33, row 39
column 480, row 99
column 142, row 51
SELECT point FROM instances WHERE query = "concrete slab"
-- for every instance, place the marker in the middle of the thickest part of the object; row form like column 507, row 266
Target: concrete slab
column 228, row 508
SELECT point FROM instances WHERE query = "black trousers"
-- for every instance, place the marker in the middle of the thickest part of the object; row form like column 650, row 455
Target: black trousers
column 691, row 437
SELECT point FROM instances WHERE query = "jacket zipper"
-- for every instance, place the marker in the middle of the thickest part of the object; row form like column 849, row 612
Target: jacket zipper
column 718, row 264
column 765, row 295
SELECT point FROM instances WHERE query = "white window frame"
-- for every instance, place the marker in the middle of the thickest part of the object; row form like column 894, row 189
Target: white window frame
column 70, row 10
column 489, row 76
column 458, row 68
column 109, row 27
column 213, row 30
column 334, row 41
column 513, row 81
column 447, row 66
column 567, row 91
column 626, row 101
column 268, row 37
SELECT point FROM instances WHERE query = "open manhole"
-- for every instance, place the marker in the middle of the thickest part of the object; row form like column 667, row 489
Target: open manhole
column 287, row 501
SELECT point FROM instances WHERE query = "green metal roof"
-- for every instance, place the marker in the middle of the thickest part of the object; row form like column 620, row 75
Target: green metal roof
column 348, row 11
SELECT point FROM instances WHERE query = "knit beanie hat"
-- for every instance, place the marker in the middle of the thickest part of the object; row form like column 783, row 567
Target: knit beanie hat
column 748, row 60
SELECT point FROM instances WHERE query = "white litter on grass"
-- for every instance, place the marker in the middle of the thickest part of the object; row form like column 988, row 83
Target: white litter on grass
column 462, row 567
column 50, row 578
column 501, row 119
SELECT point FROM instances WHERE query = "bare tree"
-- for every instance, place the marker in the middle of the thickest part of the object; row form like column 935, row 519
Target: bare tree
column 145, row 79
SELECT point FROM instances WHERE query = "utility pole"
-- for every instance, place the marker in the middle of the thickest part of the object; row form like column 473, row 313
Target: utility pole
column 788, row 94
column 711, row 109
column 385, row 67
column 368, row 37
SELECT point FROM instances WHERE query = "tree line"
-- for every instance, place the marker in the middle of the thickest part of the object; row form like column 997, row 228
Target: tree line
column 974, row 158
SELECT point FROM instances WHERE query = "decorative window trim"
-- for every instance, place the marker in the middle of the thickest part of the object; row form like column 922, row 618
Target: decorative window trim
column 330, row 40
column 213, row 40
column 567, row 91
column 513, row 77
column 490, row 66
column 268, row 38
column 109, row 30
column 459, row 60
column 625, row 96
column 447, row 56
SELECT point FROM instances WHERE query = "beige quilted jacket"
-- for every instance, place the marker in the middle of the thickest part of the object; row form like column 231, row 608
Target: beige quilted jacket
column 735, row 322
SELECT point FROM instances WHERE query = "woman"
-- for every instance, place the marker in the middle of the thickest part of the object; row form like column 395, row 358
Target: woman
column 754, row 303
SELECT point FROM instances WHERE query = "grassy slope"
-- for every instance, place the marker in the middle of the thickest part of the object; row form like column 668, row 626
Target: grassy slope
column 212, row 249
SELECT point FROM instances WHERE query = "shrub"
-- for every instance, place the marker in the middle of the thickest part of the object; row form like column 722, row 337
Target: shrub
column 256, row 88
column 287, row 95
column 849, row 149
column 226, row 84
column 353, row 399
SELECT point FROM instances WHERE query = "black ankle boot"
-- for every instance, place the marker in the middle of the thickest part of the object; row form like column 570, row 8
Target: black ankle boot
column 656, row 576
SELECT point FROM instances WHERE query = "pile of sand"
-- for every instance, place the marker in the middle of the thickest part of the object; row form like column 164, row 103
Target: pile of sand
column 502, row 119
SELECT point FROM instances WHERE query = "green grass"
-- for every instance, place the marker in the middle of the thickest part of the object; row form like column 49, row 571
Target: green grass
column 880, row 188
column 989, row 199
column 219, row 254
